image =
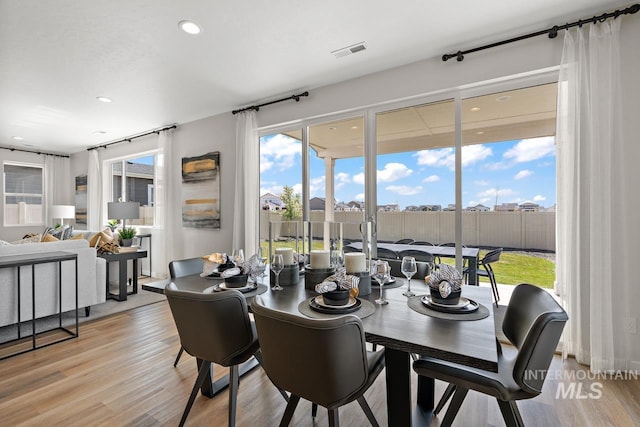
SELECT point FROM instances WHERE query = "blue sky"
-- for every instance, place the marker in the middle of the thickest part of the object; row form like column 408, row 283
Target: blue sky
column 514, row 171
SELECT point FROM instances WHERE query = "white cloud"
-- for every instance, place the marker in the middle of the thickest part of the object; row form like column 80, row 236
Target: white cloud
column 279, row 151
column 491, row 193
column 359, row 178
column 273, row 189
column 359, row 197
column 472, row 203
column 446, row 156
column 431, row 178
column 297, row 189
column 393, row 172
column 531, row 149
column 316, row 186
column 539, row 198
column 481, row 183
column 523, row 174
column 404, row 190
column 342, row 177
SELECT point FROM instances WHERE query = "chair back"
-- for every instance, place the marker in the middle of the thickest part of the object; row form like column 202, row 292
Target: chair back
column 185, row 267
column 491, row 256
column 404, row 241
column 321, row 360
column 387, row 253
column 423, row 243
column 533, row 323
column 213, row 326
column 450, row 245
column 396, row 269
column 417, row 254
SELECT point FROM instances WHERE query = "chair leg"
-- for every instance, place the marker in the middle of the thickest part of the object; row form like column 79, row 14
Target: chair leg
column 368, row 412
column 289, row 410
column 178, row 357
column 334, row 418
column 314, row 410
column 454, row 406
column 202, row 374
column 510, row 413
column 494, row 285
column 234, row 382
column 451, row 388
column 258, row 357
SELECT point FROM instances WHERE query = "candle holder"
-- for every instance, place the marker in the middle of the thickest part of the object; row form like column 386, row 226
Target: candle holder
column 313, row 276
column 364, row 286
column 289, row 276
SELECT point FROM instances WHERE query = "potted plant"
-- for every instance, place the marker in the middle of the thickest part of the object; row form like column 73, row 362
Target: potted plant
column 127, row 235
column 112, row 224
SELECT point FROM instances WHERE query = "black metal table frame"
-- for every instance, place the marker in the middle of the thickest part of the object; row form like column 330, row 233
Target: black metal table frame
column 121, row 259
column 140, row 237
column 33, row 260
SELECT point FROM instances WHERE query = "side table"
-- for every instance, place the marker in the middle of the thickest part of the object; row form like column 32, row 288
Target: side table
column 140, row 237
column 121, row 259
column 18, row 261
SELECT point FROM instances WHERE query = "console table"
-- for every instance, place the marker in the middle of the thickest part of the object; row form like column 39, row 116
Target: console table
column 121, row 259
column 19, row 261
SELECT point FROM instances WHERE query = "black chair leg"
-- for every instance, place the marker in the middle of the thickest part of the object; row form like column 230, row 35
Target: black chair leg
column 289, row 410
column 334, row 420
column 510, row 413
column 258, row 357
column 367, row 411
column 202, row 374
column 234, row 382
column 451, row 388
column 454, row 406
column 314, row 410
column 178, row 357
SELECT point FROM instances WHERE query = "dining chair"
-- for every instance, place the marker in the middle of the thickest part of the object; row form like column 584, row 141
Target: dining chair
column 422, row 243
column 324, row 361
column 533, row 323
column 418, row 254
column 181, row 268
column 404, row 241
column 387, row 253
column 214, row 328
column 451, row 245
column 487, row 271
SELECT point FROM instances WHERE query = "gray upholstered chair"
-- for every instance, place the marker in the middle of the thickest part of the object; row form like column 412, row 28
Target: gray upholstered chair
column 181, row 268
column 324, row 361
column 214, row 328
column 533, row 323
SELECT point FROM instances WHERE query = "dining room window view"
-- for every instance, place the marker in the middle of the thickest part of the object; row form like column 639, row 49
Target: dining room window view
column 508, row 173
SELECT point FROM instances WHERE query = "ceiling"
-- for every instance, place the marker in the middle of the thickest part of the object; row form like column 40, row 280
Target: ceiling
column 58, row 56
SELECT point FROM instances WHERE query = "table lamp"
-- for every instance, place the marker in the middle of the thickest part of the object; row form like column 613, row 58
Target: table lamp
column 123, row 211
column 62, row 212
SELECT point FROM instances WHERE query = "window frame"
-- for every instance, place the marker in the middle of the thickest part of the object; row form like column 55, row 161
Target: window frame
column 5, row 194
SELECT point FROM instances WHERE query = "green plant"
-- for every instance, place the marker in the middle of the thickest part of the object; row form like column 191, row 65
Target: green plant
column 112, row 224
column 127, row 233
column 292, row 205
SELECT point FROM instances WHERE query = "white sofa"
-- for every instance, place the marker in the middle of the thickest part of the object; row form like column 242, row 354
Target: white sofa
column 91, row 281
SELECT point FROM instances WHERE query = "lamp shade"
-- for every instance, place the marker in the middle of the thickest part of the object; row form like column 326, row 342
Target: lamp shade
column 123, row 210
column 63, row 211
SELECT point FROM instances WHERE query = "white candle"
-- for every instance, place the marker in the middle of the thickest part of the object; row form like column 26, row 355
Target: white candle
column 319, row 259
column 354, row 262
column 287, row 255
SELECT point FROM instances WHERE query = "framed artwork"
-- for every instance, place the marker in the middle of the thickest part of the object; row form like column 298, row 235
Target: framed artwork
column 201, row 191
column 81, row 199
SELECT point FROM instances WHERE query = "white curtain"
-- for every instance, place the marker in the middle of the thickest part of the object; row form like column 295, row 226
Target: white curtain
column 58, row 183
column 94, row 193
column 591, row 197
column 247, row 205
column 166, row 214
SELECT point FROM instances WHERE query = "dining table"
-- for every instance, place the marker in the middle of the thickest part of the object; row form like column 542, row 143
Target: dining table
column 401, row 330
column 469, row 254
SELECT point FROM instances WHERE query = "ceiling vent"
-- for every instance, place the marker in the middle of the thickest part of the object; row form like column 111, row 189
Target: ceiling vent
column 346, row 51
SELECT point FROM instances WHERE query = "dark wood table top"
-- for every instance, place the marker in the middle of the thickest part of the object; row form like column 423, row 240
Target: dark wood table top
column 36, row 258
column 123, row 255
column 395, row 325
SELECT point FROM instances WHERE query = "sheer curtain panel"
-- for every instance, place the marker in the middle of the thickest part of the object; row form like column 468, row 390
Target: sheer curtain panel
column 95, row 221
column 166, row 222
column 591, row 240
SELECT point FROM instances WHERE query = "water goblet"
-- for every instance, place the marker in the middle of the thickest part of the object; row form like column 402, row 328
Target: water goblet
column 381, row 272
column 237, row 256
column 276, row 266
column 408, row 268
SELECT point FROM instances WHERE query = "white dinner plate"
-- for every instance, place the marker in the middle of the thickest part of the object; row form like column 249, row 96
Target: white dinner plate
column 242, row 288
column 461, row 304
column 320, row 301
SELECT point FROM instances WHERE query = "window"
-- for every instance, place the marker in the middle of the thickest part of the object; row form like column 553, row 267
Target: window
column 23, row 194
column 132, row 180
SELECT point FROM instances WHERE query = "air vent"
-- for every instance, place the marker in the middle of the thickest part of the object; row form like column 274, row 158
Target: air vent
column 346, row 51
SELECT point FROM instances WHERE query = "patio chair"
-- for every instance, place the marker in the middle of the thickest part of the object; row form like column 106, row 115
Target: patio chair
column 384, row 253
column 451, row 245
column 423, row 243
column 404, row 241
column 487, row 271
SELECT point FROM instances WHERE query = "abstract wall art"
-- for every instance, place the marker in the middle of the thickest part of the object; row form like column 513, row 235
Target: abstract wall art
column 201, row 191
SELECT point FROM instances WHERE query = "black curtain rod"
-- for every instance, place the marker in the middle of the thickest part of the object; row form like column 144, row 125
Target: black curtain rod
column 129, row 139
column 257, row 107
column 552, row 32
column 35, row 152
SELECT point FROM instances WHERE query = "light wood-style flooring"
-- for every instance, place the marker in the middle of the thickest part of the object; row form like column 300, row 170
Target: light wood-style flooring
column 120, row 372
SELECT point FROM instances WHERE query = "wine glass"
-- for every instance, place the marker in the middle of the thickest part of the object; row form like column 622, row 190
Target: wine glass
column 380, row 272
column 276, row 266
column 237, row 256
column 337, row 259
column 408, row 268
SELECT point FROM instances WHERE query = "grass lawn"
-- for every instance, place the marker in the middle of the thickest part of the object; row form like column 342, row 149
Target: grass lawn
column 512, row 269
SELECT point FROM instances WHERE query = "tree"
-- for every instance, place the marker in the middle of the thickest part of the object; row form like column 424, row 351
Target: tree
column 292, row 205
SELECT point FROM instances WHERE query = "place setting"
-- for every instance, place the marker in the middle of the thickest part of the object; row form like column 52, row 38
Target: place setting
column 444, row 300
column 235, row 272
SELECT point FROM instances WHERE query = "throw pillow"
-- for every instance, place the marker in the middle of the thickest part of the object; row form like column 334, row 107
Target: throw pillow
column 49, row 238
column 32, row 239
column 78, row 236
column 100, row 236
column 66, row 234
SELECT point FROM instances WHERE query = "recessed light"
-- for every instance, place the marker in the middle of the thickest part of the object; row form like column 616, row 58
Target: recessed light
column 479, row 132
column 189, row 27
column 354, row 127
column 332, row 128
column 503, row 98
column 17, row 138
column 104, row 99
column 475, row 109
column 29, row 145
column 99, row 132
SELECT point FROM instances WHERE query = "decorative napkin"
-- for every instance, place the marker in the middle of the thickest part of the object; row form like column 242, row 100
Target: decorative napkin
column 326, row 286
column 445, row 279
column 254, row 266
column 230, row 272
column 345, row 280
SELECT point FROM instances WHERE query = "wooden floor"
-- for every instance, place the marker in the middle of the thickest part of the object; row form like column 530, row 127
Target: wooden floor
column 119, row 372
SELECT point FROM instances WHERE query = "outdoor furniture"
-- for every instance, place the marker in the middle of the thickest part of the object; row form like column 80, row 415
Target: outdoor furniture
column 181, row 268
column 533, row 323
column 404, row 241
column 487, row 271
column 423, row 243
column 384, row 253
column 418, row 254
column 451, row 245
column 322, row 360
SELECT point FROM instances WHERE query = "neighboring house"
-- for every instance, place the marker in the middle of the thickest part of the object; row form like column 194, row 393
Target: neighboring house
column 478, row 208
column 450, row 207
column 139, row 182
column 506, row 207
column 271, row 202
column 356, row 206
column 529, row 207
column 316, row 204
column 389, row 208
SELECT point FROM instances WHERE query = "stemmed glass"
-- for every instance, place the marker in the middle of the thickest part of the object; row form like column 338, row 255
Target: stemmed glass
column 276, row 266
column 237, row 256
column 408, row 268
column 337, row 259
column 381, row 272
